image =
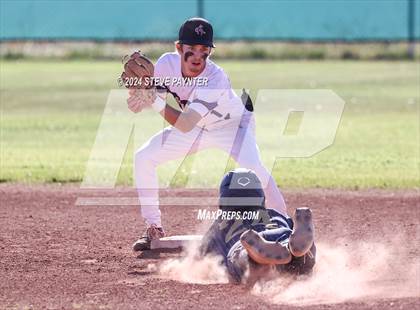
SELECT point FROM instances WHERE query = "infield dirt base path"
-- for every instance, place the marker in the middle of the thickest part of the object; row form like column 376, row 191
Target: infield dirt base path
column 55, row 254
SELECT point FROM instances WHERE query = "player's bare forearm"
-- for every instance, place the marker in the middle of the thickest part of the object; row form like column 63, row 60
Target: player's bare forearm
column 170, row 114
column 183, row 121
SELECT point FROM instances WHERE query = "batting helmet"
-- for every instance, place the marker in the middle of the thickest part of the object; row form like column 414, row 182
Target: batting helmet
column 241, row 189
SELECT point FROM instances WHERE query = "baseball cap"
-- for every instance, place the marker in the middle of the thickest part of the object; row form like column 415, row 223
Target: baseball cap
column 196, row 30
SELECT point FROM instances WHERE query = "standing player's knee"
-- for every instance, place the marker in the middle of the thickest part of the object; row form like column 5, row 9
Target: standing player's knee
column 258, row 168
column 249, row 164
column 142, row 157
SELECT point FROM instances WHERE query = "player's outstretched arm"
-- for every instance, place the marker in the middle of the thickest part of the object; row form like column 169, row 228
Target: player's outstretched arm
column 184, row 121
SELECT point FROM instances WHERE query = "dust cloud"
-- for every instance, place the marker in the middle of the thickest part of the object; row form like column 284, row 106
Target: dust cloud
column 191, row 268
column 364, row 271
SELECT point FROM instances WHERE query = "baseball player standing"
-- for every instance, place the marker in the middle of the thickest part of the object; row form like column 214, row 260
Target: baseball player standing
column 211, row 115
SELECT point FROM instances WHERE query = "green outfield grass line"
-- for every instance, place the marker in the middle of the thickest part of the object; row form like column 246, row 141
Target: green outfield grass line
column 50, row 112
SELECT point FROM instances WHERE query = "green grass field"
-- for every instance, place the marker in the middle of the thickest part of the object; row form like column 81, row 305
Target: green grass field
column 50, row 112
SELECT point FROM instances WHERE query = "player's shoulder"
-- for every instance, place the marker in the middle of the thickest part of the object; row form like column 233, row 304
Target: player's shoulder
column 168, row 57
column 214, row 70
column 168, row 61
column 216, row 75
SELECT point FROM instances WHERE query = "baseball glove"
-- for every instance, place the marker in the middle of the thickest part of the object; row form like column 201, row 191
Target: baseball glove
column 138, row 71
column 137, row 77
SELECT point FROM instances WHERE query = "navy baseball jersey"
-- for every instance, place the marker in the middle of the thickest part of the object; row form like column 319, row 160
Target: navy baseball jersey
column 223, row 236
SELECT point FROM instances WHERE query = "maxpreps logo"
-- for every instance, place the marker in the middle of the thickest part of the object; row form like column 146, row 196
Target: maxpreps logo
column 227, row 215
column 199, row 30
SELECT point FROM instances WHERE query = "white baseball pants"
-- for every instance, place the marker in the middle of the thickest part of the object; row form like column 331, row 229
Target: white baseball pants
column 236, row 138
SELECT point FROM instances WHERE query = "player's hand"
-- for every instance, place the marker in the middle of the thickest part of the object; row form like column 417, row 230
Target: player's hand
column 140, row 99
column 134, row 104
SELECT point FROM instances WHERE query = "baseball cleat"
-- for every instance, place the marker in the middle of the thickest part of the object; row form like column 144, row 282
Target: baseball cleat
column 264, row 252
column 302, row 237
column 152, row 232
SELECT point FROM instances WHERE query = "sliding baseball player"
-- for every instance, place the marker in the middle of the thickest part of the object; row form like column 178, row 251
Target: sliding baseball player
column 252, row 246
column 211, row 115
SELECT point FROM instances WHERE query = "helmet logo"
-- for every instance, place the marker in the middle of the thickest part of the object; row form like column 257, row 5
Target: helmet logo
column 244, row 181
column 199, row 30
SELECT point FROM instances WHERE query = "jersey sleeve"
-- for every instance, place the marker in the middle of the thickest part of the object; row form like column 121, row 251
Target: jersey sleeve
column 160, row 66
column 207, row 98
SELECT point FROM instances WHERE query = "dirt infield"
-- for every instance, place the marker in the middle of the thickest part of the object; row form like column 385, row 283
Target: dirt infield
column 56, row 254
